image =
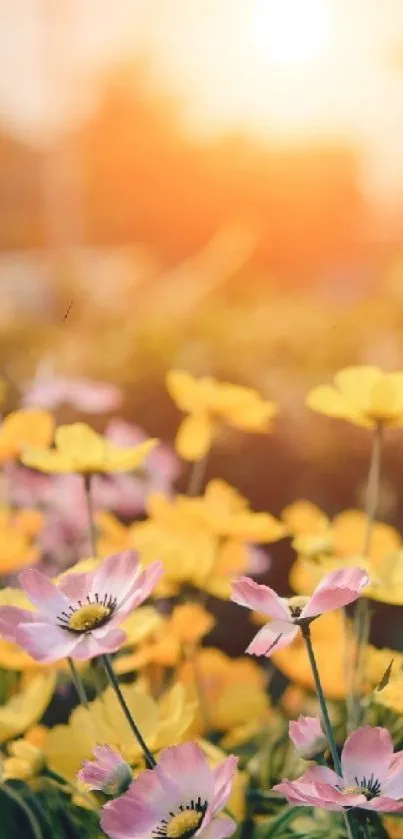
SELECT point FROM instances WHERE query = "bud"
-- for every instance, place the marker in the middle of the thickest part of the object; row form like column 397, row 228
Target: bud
column 108, row 773
column 308, row 738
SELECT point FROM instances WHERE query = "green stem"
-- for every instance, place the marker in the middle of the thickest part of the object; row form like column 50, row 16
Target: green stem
column 90, row 513
column 19, row 801
column 78, row 683
column 281, row 821
column 150, row 760
column 306, row 634
column 197, row 474
column 362, row 617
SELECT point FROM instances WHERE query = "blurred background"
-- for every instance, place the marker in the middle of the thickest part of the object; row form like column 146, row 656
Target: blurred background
column 215, row 186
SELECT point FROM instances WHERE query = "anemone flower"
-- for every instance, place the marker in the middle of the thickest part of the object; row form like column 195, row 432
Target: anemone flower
column 108, row 773
column 337, row 589
column 79, row 616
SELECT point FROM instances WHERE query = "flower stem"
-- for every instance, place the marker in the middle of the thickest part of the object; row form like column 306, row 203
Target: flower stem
column 306, row 634
column 19, row 801
column 197, row 474
column 150, row 760
column 362, row 617
column 78, row 684
column 90, row 513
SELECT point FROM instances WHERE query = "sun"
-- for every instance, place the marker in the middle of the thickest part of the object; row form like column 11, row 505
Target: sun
column 291, row 31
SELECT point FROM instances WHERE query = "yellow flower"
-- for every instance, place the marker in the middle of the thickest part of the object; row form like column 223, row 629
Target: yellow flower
column 209, row 404
column 26, row 707
column 20, row 429
column 80, row 449
column 330, row 650
column 231, row 689
column 201, row 541
column 161, row 723
column 362, row 395
column 25, row 761
column 16, row 531
column 164, row 643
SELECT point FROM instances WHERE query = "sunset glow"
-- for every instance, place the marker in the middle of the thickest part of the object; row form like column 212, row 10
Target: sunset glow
column 291, row 31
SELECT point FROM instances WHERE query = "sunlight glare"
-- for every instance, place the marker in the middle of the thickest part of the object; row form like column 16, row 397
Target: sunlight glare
column 291, row 31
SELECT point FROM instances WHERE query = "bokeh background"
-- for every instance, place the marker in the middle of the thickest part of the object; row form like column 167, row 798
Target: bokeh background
column 215, row 186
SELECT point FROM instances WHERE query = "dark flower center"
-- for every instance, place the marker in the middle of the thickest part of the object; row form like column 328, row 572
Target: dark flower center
column 184, row 823
column 87, row 616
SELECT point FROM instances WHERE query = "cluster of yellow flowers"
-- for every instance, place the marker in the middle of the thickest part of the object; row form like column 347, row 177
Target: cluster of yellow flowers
column 177, row 685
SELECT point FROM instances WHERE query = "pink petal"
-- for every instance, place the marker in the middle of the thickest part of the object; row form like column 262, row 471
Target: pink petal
column 272, row 637
column 322, row 775
column 11, row 618
column 218, row 829
column 116, row 575
column 186, row 766
column 142, row 587
column 76, row 586
column 43, row 593
column 91, row 645
column 383, row 804
column 46, row 642
column 393, row 784
column 120, row 816
column 223, row 776
column 367, row 751
column 311, row 794
column 337, row 589
column 259, row 598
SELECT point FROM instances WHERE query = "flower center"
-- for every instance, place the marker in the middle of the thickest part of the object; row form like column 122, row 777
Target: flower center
column 352, row 791
column 87, row 616
column 369, row 787
column 296, row 605
column 183, row 824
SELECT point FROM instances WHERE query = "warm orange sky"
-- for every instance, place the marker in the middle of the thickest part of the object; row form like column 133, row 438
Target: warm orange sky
column 326, row 69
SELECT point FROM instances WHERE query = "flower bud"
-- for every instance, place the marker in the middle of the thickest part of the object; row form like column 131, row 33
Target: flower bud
column 308, row 738
column 108, row 773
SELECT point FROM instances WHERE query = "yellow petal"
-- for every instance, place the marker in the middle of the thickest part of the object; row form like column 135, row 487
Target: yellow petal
column 124, row 460
column 327, row 400
column 25, row 428
column 303, row 517
column 81, row 445
column 356, row 384
column 194, row 437
column 26, row 707
column 46, row 460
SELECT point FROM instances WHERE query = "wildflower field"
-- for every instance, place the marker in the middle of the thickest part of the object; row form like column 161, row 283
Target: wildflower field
column 124, row 712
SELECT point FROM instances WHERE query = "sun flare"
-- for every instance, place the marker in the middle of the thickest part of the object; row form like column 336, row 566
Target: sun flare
column 291, row 31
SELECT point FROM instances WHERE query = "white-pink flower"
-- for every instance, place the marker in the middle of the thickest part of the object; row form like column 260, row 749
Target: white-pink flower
column 50, row 390
column 80, row 616
column 108, row 773
column 178, row 799
column 372, row 777
column 337, row 589
column 308, row 737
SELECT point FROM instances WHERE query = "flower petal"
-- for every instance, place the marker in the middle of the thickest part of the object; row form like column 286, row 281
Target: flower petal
column 383, row 804
column 11, row 618
column 43, row 593
column 218, row 829
column 186, row 766
column 367, row 751
column 393, row 785
column 223, row 775
column 259, row 598
column 46, row 642
column 115, row 575
column 194, row 437
column 91, row 644
column 337, row 589
column 272, row 637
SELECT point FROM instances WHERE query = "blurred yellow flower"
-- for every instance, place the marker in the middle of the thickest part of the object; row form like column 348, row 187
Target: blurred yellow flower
column 16, row 546
column 25, row 761
column 328, row 636
column 20, row 429
column 201, row 541
column 164, row 644
column 210, row 403
column 162, row 723
column 362, row 395
column 232, row 690
column 27, row 706
column 78, row 448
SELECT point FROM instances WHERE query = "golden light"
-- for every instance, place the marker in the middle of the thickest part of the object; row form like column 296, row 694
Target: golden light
column 291, row 31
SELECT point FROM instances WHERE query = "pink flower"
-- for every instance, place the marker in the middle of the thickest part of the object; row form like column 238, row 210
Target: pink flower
column 178, row 799
column 79, row 616
column 335, row 590
column 372, row 777
column 108, row 772
column 50, row 390
column 308, row 737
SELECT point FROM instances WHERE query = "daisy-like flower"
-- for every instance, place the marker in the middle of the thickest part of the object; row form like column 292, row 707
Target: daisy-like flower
column 371, row 779
column 80, row 616
column 308, row 737
column 289, row 613
column 362, row 395
column 108, row 773
column 178, row 799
